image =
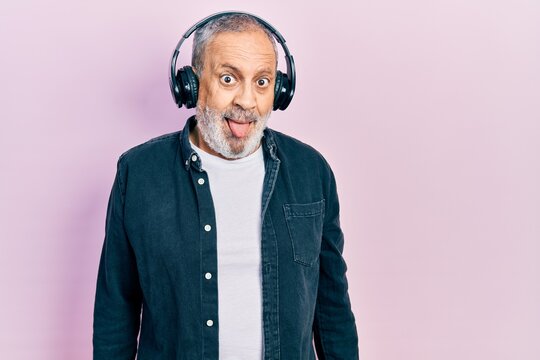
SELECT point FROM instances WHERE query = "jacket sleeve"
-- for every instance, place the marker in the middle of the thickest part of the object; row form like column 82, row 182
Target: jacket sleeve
column 117, row 305
column 334, row 324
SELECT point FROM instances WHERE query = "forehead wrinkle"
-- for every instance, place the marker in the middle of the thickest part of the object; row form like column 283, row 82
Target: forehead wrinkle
column 240, row 52
column 263, row 41
column 251, row 50
column 244, row 64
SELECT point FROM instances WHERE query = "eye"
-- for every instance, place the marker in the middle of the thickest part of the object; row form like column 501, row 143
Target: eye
column 263, row 82
column 228, row 79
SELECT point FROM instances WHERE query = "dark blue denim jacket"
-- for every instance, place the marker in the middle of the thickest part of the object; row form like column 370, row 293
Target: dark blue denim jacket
column 157, row 249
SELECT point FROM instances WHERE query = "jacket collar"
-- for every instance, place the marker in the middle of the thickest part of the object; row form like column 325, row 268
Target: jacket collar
column 191, row 158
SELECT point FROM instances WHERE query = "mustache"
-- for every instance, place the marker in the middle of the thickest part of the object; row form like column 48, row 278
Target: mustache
column 240, row 115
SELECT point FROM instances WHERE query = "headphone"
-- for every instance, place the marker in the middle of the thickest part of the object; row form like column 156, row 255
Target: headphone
column 185, row 84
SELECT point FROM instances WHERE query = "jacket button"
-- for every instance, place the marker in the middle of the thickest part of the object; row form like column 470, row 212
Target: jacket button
column 194, row 158
column 207, row 227
column 209, row 323
column 208, row 276
column 200, row 181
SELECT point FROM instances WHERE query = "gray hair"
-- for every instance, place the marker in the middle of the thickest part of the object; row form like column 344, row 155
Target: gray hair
column 227, row 23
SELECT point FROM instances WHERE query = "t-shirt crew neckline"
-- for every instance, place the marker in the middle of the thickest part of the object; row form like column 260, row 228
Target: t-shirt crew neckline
column 220, row 162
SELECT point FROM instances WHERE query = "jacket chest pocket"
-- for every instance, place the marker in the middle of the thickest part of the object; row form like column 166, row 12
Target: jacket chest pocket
column 305, row 225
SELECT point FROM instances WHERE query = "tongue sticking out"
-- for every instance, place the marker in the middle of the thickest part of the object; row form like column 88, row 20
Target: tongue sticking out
column 238, row 129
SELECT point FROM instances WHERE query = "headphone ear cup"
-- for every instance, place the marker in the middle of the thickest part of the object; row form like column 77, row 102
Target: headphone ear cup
column 281, row 91
column 188, row 84
column 277, row 89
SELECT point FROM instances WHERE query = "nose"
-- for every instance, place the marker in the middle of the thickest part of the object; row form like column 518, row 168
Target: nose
column 246, row 97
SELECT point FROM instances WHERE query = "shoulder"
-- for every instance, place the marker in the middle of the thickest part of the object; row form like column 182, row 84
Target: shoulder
column 158, row 147
column 295, row 151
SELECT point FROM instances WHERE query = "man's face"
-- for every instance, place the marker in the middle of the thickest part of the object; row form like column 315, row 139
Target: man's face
column 236, row 93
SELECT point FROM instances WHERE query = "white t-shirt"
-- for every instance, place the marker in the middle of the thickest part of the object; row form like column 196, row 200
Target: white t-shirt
column 236, row 187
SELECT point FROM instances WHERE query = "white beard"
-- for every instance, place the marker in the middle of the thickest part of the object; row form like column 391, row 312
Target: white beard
column 216, row 133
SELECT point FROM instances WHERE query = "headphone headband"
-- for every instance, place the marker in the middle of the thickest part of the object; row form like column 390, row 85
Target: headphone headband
column 287, row 82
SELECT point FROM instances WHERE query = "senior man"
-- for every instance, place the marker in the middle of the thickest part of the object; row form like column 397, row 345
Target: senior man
column 227, row 232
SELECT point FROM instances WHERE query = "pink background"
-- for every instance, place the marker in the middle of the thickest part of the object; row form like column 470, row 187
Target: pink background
column 428, row 112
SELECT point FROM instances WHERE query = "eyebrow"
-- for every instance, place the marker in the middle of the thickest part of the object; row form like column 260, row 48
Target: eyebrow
column 237, row 70
column 234, row 68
